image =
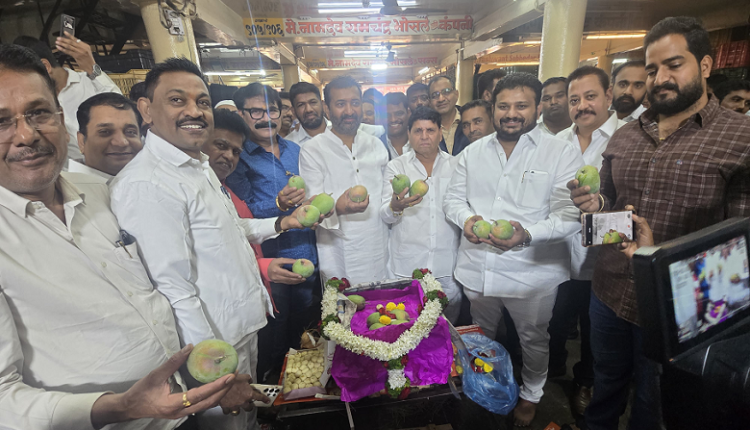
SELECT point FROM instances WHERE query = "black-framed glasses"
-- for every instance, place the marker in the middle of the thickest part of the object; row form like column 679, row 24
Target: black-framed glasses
column 444, row 92
column 256, row 113
column 39, row 119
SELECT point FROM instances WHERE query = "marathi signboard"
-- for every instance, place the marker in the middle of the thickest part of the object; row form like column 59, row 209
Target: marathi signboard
column 509, row 58
column 375, row 26
column 330, row 63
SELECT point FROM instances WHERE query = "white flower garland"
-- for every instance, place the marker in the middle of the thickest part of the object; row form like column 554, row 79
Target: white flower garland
column 377, row 349
column 396, row 378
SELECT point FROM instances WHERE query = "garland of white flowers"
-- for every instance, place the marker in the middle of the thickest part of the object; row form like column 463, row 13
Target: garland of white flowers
column 377, row 349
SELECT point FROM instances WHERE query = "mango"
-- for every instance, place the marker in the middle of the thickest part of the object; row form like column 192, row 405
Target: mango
column 303, row 267
column 376, row 326
column 308, row 215
column 401, row 314
column 588, row 175
column 482, row 229
column 324, row 203
column 400, row 183
column 296, row 182
column 373, row 318
column 502, row 230
column 212, row 359
column 418, row 188
column 358, row 193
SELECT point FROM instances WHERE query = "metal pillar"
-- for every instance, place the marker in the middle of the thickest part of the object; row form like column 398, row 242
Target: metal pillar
column 465, row 80
column 290, row 73
column 562, row 31
column 163, row 44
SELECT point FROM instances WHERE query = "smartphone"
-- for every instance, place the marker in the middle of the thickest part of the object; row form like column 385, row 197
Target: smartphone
column 606, row 228
column 67, row 25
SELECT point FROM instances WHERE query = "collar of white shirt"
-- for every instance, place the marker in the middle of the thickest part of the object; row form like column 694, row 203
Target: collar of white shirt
column 411, row 156
column 76, row 167
column 73, row 78
column 168, row 152
column 19, row 205
column 635, row 114
column 609, row 128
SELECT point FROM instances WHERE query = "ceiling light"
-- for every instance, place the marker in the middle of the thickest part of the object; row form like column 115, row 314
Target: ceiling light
column 616, row 36
column 361, row 54
column 519, row 63
column 237, row 73
column 379, row 66
column 619, row 60
column 423, row 71
column 359, row 10
column 532, row 42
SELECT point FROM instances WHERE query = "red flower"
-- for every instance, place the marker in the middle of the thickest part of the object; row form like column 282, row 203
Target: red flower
column 441, row 295
column 424, row 271
column 404, row 360
column 346, row 282
column 385, row 364
column 404, row 393
column 341, row 287
column 424, row 300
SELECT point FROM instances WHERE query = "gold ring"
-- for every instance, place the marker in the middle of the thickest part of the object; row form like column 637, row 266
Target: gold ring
column 291, row 203
column 281, row 193
column 185, row 402
column 235, row 413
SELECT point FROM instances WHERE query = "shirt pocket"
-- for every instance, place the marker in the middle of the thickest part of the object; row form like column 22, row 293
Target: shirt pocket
column 535, row 189
column 128, row 258
column 696, row 182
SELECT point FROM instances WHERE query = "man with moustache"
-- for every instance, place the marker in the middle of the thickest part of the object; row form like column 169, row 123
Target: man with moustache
column 476, row 119
column 194, row 244
column 108, row 135
column 443, row 98
column 555, row 116
column 353, row 242
column 734, row 95
column 421, row 236
column 287, row 115
column 71, row 284
column 517, row 174
column 683, row 165
column 397, row 110
column 418, row 94
column 589, row 95
column 261, row 180
column 629, row 90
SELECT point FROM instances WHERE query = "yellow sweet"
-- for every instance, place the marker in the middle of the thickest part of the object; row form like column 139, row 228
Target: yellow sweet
column 488, row 368
column 390, row 306
column 385, row 320
column 401, row 306
column 459, row 370
column 479, row 362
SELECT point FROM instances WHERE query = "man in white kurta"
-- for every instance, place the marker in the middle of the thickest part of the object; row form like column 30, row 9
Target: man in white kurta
column 518, row 174
column 353, row 243
column 421, row 236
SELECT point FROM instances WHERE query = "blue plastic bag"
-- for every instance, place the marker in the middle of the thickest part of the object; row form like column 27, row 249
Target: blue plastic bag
column 496, row 391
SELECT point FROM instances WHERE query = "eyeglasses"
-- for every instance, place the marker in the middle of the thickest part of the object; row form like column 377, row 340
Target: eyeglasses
column 444, row 92
column 41, row 120
column 423, row 98
column 255, row 113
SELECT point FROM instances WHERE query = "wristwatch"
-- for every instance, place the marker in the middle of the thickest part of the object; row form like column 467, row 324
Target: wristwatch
column 526, row 243
column 277, row 225
column 96, row 73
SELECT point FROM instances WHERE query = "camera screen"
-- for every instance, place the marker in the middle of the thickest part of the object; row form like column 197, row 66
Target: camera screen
column 612, row 227
column 710, row 288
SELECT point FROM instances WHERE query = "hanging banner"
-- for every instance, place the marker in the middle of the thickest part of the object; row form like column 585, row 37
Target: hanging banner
column 264, row 28
column 330, row 63
column 509, row 58
column 375, row 26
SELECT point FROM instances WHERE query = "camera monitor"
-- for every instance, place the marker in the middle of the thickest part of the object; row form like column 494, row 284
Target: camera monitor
column 693, row 290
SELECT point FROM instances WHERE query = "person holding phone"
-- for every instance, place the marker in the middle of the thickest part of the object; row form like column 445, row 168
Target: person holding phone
column 72, row 87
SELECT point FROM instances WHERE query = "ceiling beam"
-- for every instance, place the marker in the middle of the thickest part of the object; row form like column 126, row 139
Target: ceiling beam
column 506, row 18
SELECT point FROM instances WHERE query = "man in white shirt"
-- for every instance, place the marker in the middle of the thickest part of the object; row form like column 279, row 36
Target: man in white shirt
column 79, row 319
column 421, row 236
column 192, row 240
column 397, row 112
column 353, row 242
column 629, row 90
column 518, row 174
column 554, row 118
column 72, row 87
column 589, row 94
column 109, row 135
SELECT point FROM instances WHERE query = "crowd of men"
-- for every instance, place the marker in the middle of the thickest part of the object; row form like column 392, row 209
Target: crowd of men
column 175, row 223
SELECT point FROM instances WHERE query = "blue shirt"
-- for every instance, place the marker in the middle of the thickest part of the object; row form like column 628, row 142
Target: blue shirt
column 257, row 180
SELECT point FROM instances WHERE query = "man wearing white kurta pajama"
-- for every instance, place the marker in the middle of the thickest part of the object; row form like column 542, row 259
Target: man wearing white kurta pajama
column 353, row 243
column 517, row 174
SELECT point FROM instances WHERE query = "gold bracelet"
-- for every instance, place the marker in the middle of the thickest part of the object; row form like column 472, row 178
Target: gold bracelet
column 467, row 220
column 394, row 212
column 601, row 198
column 278, row 205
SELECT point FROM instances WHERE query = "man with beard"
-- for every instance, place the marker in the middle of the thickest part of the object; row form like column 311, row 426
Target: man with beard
column 287, row 114
column 418, row 95
column 734, row 95
column 517, row 174
column 397, row 110
column 589, row 95
column 262, row 181
column 70, row 283
column 195, row 246
column 476, row 119
column 683, row 166
column 555, row 116
column 421, row 236
column 353, row 243
column 629, row 90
